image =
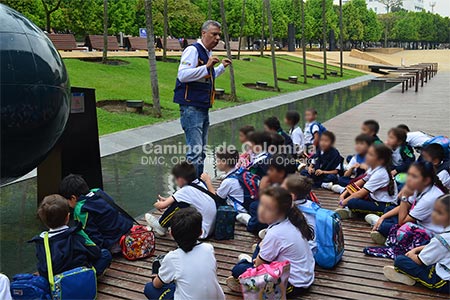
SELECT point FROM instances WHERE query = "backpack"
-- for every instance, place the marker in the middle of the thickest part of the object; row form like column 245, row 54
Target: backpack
column 30, row 287
column 322, row 128
column 441, row 140
column 225, row 220
column 78, row 283
column 249, row 183
column 330, row 237
column 138, row 243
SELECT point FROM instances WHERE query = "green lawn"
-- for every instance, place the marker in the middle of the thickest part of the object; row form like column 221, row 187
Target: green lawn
column 132, row 81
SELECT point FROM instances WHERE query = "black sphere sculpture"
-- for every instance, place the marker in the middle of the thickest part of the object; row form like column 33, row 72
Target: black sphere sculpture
column 34, row 95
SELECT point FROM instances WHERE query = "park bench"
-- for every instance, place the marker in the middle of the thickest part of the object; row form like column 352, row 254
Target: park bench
column 316, row 76
column 173, row 45
column 234, row 46
column 95, row 42
column 220, row 46
column 64, row 42
column 134, row 43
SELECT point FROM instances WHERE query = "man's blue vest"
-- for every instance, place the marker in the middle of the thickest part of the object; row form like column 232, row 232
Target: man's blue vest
column 198, row 93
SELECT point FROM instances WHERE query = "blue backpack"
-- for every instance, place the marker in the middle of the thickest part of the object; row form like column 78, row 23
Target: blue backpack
column 441, row 140
column 249, row 183
column 30, row 287
column 330, row 238
column 322, row 128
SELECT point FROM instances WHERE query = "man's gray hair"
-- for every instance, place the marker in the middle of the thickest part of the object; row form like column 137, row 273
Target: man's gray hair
column 209, row 23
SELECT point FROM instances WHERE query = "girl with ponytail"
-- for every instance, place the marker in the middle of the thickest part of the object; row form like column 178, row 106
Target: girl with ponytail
column 286, row 239
column 410, row 224
column 376, row 191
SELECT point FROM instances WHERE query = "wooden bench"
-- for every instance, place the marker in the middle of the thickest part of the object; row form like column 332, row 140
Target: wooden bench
column 173, row 45
column 220, row 46
column 95, row 42
column 134, row 43
column 64, row 42
column 234, row 46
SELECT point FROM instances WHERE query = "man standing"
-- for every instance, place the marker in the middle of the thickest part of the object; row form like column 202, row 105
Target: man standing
column 194, row 91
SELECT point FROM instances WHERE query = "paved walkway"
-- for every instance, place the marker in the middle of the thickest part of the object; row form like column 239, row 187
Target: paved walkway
column 427, row 110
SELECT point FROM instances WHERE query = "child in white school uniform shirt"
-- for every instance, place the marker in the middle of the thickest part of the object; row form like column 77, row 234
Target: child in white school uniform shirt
column 189, row 272
column 292, row 119
column 430, row 264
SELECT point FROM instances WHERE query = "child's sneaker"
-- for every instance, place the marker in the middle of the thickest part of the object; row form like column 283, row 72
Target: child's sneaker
column 327, row 185
column 243, row 218
column 344, row 213
column 377, row 237
column 244, row 256
column 337, row 188
column 391, row 274
column 372, row 219
column 262, row 233
column 254, row 247
column 153, row 222
column 233, row 284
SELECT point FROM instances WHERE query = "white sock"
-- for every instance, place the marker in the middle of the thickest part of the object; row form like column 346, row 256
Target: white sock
column 243, row 218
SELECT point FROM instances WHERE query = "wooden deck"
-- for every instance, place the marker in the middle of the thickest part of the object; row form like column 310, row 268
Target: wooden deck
column 356, row 277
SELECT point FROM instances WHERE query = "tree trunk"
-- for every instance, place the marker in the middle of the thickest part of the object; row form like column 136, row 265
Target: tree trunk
column 48, row 13
column 241, row 32
column 261, row 45
column 233, row 96
column 48, row 18
column 152, row 58
column 209, row 9
column 166, row 26
column 105, row 31
column 305, row 75
column 324, row 38
column 272, row 45
column 341, row 41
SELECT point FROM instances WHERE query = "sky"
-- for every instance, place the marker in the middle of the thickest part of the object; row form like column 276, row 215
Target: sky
column 442, row 7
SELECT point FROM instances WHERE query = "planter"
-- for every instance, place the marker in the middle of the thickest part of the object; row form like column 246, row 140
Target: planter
column 293, row 79
column 220, row 93
column 261, row 84
column 135, row 106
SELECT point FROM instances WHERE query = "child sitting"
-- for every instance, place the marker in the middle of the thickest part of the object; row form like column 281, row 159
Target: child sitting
column 429, row 264
column 402, row 154
column 300, row 188
column 259, row 143
column 193, row 193
column 103, row 223
column 188, row 272
column 5, row 293
column 246, row 156
column 291, row 119
column 326, row 163
column 356, row 166
column 311, row 131
column 69, row 247
column 435, row 154
column 273, row 125
column 376, row 191
column 415, row 139
column 230, row 189
column 412, row 218
column 371, row 128
column 286, row 239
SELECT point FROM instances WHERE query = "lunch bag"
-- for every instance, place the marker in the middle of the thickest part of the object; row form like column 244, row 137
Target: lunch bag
column 138, row 243
column 30, row 287
column 225, row 220
column 330, row 237
column 267, row 281
column 79, row 283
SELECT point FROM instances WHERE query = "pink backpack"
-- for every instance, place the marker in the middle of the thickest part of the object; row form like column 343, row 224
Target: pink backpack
column 268, row 281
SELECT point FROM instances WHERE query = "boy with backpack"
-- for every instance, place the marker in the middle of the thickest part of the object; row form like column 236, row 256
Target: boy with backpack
column 70, row 247
column 371, row 128
column 191, row 193
column 101, row 221
column 312, row 131
column 239, row 188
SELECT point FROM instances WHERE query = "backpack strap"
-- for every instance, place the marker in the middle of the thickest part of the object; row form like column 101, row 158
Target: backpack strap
column 443, row 241
column 48, row 258
column 219, row 201
column 110, row 201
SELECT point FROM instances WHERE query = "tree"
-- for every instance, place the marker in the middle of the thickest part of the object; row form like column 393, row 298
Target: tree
column 49, row 9
column 390, row 4
column 227, row 45
column 241, row 32
column 105, row 31
column 387, row 20
column 263, row 22
column 165, row 28
column 324, row 41
column 152, row 58
column 305, row 76
column 272, row 45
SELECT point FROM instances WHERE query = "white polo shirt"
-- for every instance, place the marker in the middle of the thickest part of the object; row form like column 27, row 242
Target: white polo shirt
column 298, row 139
column 310, row 130
column 205, row 205
column 438, row 252
column 310, row 218
column 444, row 177
column 422, row 206
column 376, row 183
column 417, row 138
column 231, row 190
column 283, row 241
column 194, row 273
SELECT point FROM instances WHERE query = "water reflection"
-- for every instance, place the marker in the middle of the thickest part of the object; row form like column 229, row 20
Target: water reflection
column 135, row 185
